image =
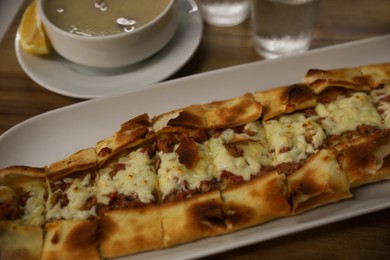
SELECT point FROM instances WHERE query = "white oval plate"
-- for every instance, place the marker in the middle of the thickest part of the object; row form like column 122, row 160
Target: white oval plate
column 51, row 136
column 66, row 78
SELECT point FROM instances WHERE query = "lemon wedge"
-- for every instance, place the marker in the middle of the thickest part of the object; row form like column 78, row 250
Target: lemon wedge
column 32, row 33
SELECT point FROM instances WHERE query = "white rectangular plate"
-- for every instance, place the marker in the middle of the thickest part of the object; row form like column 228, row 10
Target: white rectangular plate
column 52, row 136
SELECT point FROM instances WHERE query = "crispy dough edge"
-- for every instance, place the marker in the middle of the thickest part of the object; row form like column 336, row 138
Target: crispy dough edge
column 82, row 160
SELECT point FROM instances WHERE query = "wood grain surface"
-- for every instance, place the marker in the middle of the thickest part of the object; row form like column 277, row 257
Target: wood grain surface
column 340, row 21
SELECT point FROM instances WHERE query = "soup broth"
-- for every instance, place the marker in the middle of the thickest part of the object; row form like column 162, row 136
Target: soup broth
column 102, row 17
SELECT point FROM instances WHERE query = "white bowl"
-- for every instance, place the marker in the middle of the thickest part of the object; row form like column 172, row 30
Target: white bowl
column 116, row 50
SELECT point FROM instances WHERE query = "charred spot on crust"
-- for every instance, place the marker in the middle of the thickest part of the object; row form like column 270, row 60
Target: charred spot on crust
column 247, row 108
column 207, row 214
column 189, row 117
column 239, row 214
column 83, row 234
column 104, row 152
column 359, row 80
column 107, row 227
column 55, row 238
column 298, row 93
column 139, row 120
column 308, row 186
column 358, row 157
column 331, row 94
column 230, row 114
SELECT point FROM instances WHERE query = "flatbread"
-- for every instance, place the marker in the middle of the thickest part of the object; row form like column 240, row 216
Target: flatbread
column 204, row 170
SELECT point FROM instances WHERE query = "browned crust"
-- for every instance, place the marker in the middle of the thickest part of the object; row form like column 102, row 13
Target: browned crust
column 232, row 112
column 191, row 116
column 20, row 176
column 350, row 78
column 123, row 232
column 218, row 114
column 70, row 239
column 35, row 172
column 376, row 74
column 20, row 242
column 132, row 133
column 82, row 160
column 363, row 159
column 268, row 200
column 284, row 100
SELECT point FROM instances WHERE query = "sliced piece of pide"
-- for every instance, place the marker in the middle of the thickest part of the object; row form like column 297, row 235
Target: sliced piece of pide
column 348, row 115
column 319, row 181
column 132, row 133
column 184, row 166
column 365, row 159
column 349, row 78
column 243, row 171
column 127, row 203
column 199, row 216
column 23, row 193
column 293, row 138
column 187, row 187
column 284, row 100
column 71, row 207
column 261, row 199
column 239, row 153
column 71, row 185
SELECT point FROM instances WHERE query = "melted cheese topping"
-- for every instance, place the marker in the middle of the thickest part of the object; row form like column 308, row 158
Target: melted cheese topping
column 382, row 106
column 255, row 152
column 34, row 214
column 137, row 178
column 172, row 175
column 286, row 136
column 346, row 114
column 78, row 193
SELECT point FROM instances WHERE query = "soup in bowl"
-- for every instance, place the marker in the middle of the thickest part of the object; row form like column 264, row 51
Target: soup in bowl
column 108, row 33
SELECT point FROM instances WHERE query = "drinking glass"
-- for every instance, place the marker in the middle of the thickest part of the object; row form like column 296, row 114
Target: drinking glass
column 224, row 13
column 283, row 27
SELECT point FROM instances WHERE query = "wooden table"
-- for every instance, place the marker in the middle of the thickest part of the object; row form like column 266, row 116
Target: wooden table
column 364, row 237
